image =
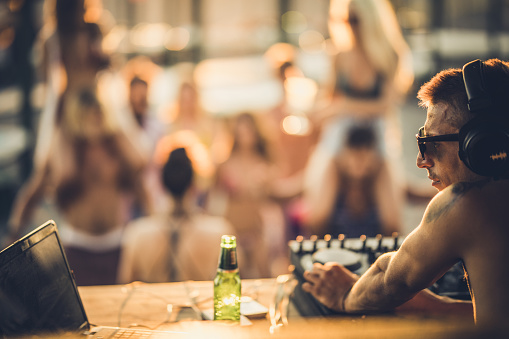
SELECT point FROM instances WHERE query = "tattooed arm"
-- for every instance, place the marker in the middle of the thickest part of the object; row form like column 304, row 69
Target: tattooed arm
column 425, row 255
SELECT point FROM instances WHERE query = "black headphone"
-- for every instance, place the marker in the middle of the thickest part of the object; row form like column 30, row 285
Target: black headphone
column 484, row 140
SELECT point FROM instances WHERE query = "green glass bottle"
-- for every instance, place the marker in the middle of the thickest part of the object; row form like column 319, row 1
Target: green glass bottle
column 227, row 287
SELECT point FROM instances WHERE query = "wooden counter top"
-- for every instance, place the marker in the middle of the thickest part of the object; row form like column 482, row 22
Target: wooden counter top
column 147, row 305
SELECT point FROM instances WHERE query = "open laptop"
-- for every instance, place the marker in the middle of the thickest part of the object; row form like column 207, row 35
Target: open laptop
column 38, row 293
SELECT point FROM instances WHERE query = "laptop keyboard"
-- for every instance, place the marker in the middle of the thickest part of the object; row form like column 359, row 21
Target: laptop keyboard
column 121, row 333
column 127, row 333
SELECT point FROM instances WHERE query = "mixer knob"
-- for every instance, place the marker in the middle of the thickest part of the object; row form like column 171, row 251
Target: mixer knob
column 395, row 236
column 314, row 239
column 327, row 239
column 300, row 241
column 363, row 241
column 379, row 237
column 341, row 239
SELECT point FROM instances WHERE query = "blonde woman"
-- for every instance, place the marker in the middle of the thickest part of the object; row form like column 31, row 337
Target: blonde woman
column 372, row 76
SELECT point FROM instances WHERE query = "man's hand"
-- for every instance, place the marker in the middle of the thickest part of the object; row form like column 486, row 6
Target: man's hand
column 329, row 284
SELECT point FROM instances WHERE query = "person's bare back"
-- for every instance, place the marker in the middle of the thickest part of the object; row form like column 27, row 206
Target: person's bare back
column 485, row 252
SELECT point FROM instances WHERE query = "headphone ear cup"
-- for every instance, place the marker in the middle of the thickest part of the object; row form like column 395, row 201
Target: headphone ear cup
column 484, row 146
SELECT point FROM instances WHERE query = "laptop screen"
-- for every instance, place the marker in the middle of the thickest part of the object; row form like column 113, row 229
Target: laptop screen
column 37, row 291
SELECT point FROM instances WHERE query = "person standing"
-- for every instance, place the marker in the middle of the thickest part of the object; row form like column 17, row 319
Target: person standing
column 372, row 77
column 93, row 173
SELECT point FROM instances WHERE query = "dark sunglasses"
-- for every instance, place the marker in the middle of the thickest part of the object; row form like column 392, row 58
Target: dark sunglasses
column 422, row 140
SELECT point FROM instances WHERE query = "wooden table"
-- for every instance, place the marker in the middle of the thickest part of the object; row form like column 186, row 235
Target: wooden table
column 148, row 305
column 165, row 306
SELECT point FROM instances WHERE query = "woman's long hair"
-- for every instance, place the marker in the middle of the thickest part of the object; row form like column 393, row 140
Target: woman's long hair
column 380, row 37
column 261, row 143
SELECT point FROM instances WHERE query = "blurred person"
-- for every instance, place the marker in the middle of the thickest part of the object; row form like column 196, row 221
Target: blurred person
column 293, row 137
column 245, row 180
column 187, row 113
column 62, row 20
column 149, row 130
column 372, row 65
column 463, row 146
column 351, row 200
column 291, row 146
column 189, row 125
column 138, row 102
column 92, row 172
column 372, row 77
column 68, row 54
column 181, row 244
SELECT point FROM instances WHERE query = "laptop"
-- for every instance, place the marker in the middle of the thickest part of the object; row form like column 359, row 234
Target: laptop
column 38, row 293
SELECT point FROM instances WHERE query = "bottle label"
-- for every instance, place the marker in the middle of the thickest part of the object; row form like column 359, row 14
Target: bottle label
column 228, row 259
column 233, row 258
column 227, row 271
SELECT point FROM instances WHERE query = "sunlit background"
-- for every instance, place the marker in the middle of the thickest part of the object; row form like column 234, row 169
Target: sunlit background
column 232, row 43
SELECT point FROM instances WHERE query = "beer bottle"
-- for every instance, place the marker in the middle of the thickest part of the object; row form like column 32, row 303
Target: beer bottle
column 227, row 282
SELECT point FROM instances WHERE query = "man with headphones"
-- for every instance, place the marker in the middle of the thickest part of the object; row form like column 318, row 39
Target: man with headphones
column 464, row 146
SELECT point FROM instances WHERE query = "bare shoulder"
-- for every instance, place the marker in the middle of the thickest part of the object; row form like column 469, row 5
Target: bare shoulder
column 144, row 227
column 211, row 224
column 463, row 202
column 478, row 187
column 483, row 196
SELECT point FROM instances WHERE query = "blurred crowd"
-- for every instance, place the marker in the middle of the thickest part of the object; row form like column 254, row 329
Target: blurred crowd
column 145, row 195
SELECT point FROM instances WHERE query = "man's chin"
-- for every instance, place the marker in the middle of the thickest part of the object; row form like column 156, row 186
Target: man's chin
column 437, row 184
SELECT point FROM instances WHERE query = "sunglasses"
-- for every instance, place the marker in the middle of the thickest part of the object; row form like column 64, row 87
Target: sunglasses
column 422, row 140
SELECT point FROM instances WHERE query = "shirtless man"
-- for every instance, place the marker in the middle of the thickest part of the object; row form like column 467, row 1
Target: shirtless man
column 466, row 221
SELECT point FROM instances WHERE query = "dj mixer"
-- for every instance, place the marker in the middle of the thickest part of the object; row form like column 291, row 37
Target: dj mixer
column 357, row 255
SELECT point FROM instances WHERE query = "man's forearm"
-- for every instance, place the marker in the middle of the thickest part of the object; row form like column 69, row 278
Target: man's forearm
column 376, row 291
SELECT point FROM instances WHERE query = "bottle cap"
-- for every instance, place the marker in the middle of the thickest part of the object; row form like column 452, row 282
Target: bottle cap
column 228, row 241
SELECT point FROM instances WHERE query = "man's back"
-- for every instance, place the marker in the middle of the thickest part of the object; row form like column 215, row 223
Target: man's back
column 482, row 218
column 466, row 221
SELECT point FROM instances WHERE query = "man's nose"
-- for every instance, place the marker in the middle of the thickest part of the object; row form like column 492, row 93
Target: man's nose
column 423, row 162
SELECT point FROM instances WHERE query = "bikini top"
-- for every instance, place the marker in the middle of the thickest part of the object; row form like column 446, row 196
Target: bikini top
column 343, row 85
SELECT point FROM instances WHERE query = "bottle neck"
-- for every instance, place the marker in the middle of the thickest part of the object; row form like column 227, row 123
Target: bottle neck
column 228, row 260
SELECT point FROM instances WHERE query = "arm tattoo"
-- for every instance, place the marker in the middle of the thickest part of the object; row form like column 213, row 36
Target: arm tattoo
column 458, row 191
